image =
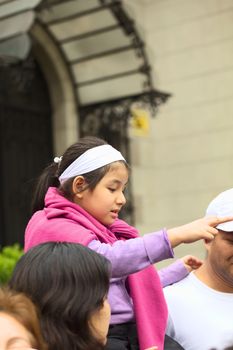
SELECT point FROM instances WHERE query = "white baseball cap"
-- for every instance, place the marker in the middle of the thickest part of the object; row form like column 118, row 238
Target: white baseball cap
column 220, row 206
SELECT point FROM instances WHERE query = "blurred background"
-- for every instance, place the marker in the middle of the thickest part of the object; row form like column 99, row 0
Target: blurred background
column 152, row 77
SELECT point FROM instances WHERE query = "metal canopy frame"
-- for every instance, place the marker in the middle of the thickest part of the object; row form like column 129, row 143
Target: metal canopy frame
column 121, row 70
column 135, row 46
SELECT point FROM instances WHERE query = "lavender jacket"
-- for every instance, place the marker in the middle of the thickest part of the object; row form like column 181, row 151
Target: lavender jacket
column 144, row 251
column 56, row 222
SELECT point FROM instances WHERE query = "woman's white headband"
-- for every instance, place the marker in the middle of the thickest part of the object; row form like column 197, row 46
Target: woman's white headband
column 90, row 160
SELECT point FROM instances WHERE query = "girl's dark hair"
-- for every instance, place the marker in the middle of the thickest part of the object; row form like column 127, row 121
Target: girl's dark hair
column 68, row 282
column 50, row 175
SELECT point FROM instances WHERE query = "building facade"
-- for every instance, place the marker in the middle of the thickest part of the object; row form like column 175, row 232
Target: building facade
column 184, row 159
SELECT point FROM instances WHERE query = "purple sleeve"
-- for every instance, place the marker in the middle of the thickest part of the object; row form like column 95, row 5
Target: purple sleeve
column 173, row 273
column 134, row 254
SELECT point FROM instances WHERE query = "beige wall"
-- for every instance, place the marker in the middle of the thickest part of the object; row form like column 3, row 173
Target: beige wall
column 188, row 157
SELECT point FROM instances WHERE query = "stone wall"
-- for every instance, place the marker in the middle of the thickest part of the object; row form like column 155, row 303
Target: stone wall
column 187, row 158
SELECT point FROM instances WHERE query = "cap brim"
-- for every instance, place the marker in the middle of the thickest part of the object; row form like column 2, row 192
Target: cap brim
column 226, row 226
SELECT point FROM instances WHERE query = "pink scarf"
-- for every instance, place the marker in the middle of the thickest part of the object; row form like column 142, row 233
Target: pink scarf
column 146, row 292
column 61, row 215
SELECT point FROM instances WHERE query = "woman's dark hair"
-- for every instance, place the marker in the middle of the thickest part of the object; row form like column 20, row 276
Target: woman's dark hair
column 50, row 175
column 68, row 282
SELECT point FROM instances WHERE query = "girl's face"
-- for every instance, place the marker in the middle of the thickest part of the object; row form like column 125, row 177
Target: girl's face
column 13, row 335
column 106, row 200
column 99, row 322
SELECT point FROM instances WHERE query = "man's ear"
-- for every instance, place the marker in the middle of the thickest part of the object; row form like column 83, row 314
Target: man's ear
column 208, row 244
column 78, row 186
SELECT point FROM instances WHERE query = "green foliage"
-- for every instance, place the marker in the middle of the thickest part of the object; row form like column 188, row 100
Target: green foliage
column 9, row 256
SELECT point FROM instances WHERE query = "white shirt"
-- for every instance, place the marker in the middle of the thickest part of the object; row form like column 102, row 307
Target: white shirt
column 200, row 318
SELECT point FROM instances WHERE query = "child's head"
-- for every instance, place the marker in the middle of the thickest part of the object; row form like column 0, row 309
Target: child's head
column 19, row 323
column 69, row 284
column 82, row 167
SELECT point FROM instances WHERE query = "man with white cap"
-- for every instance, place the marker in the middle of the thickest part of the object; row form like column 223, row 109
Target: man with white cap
column 201, row 305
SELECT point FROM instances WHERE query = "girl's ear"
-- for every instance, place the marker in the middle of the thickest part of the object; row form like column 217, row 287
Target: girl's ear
column 78, row 186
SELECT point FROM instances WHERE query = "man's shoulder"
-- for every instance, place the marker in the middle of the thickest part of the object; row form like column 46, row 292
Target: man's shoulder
column 180, row 285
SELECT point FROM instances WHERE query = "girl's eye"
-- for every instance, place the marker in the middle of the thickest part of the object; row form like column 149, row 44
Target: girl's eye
column 112, row 189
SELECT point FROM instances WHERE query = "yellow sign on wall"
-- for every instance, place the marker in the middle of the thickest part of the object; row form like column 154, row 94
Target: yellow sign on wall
column 139, row 121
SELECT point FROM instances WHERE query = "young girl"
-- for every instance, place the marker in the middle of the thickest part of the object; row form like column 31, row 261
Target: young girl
column 78, row 199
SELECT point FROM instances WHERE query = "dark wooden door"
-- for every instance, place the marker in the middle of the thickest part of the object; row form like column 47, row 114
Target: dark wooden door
column 25, row 144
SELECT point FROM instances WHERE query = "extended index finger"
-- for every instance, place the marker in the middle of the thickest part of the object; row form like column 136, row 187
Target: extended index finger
column 215, row 220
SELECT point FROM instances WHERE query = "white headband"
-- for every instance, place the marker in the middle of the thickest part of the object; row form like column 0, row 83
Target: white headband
column 90, row 160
